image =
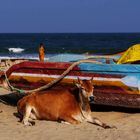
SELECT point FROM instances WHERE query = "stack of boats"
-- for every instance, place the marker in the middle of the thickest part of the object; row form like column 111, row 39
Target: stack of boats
column 116, row 79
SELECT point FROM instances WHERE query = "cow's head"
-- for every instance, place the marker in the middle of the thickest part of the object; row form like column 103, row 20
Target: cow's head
column 86, row 88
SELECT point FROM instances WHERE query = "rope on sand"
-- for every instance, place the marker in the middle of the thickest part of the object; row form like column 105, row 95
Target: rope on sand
column 52, row 82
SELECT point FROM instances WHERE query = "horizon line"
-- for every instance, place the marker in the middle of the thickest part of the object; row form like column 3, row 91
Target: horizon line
column 68, row 32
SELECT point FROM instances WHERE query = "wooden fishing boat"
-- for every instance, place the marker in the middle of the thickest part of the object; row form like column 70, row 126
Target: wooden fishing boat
column 114, row 84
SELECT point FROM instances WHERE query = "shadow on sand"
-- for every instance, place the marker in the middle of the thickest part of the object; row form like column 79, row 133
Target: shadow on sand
column 11, row 98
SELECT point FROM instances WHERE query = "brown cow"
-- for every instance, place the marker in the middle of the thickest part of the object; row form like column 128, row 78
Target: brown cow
column 68, row 105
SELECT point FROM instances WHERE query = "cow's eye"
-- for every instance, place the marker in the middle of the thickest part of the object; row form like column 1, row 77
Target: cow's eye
column 82, row 88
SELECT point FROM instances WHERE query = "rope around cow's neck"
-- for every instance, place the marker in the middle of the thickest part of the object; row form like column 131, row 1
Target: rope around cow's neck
column 52, row 82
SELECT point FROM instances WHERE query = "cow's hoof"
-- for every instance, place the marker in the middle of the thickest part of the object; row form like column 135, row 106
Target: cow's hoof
column 108, row 126
column 26, row 123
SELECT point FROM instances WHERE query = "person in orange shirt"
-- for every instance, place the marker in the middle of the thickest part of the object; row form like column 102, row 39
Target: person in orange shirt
column 41, row 52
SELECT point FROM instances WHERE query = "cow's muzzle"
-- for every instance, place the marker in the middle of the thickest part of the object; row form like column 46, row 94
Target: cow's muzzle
column 91, row 98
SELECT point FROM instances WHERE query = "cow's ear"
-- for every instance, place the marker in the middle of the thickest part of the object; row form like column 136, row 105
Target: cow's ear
column 78, row 85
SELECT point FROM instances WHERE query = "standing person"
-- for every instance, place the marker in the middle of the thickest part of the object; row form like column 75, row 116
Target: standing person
column 41, row 52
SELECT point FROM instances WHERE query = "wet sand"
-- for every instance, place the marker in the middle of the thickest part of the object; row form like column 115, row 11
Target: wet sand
column 126, row 121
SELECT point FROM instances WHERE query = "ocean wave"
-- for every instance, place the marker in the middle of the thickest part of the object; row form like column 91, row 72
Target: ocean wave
column 16, row 50
column 24, row 56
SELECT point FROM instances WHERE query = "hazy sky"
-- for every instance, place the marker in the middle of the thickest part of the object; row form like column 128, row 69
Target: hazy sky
column 69, row 16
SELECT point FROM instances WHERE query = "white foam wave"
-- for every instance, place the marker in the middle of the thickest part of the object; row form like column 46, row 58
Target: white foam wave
column 23, row 56
column 16, row 50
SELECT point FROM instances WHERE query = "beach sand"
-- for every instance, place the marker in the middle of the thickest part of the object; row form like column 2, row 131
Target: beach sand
column 128, row 126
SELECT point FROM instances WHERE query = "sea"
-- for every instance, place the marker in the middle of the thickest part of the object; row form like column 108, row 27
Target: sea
column 25, row 45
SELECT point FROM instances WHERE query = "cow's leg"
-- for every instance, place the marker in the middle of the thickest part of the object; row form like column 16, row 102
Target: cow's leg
column 96, row 121
column 71, row 120
column 33, row 116
column 64, row 122
column 26, row 116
